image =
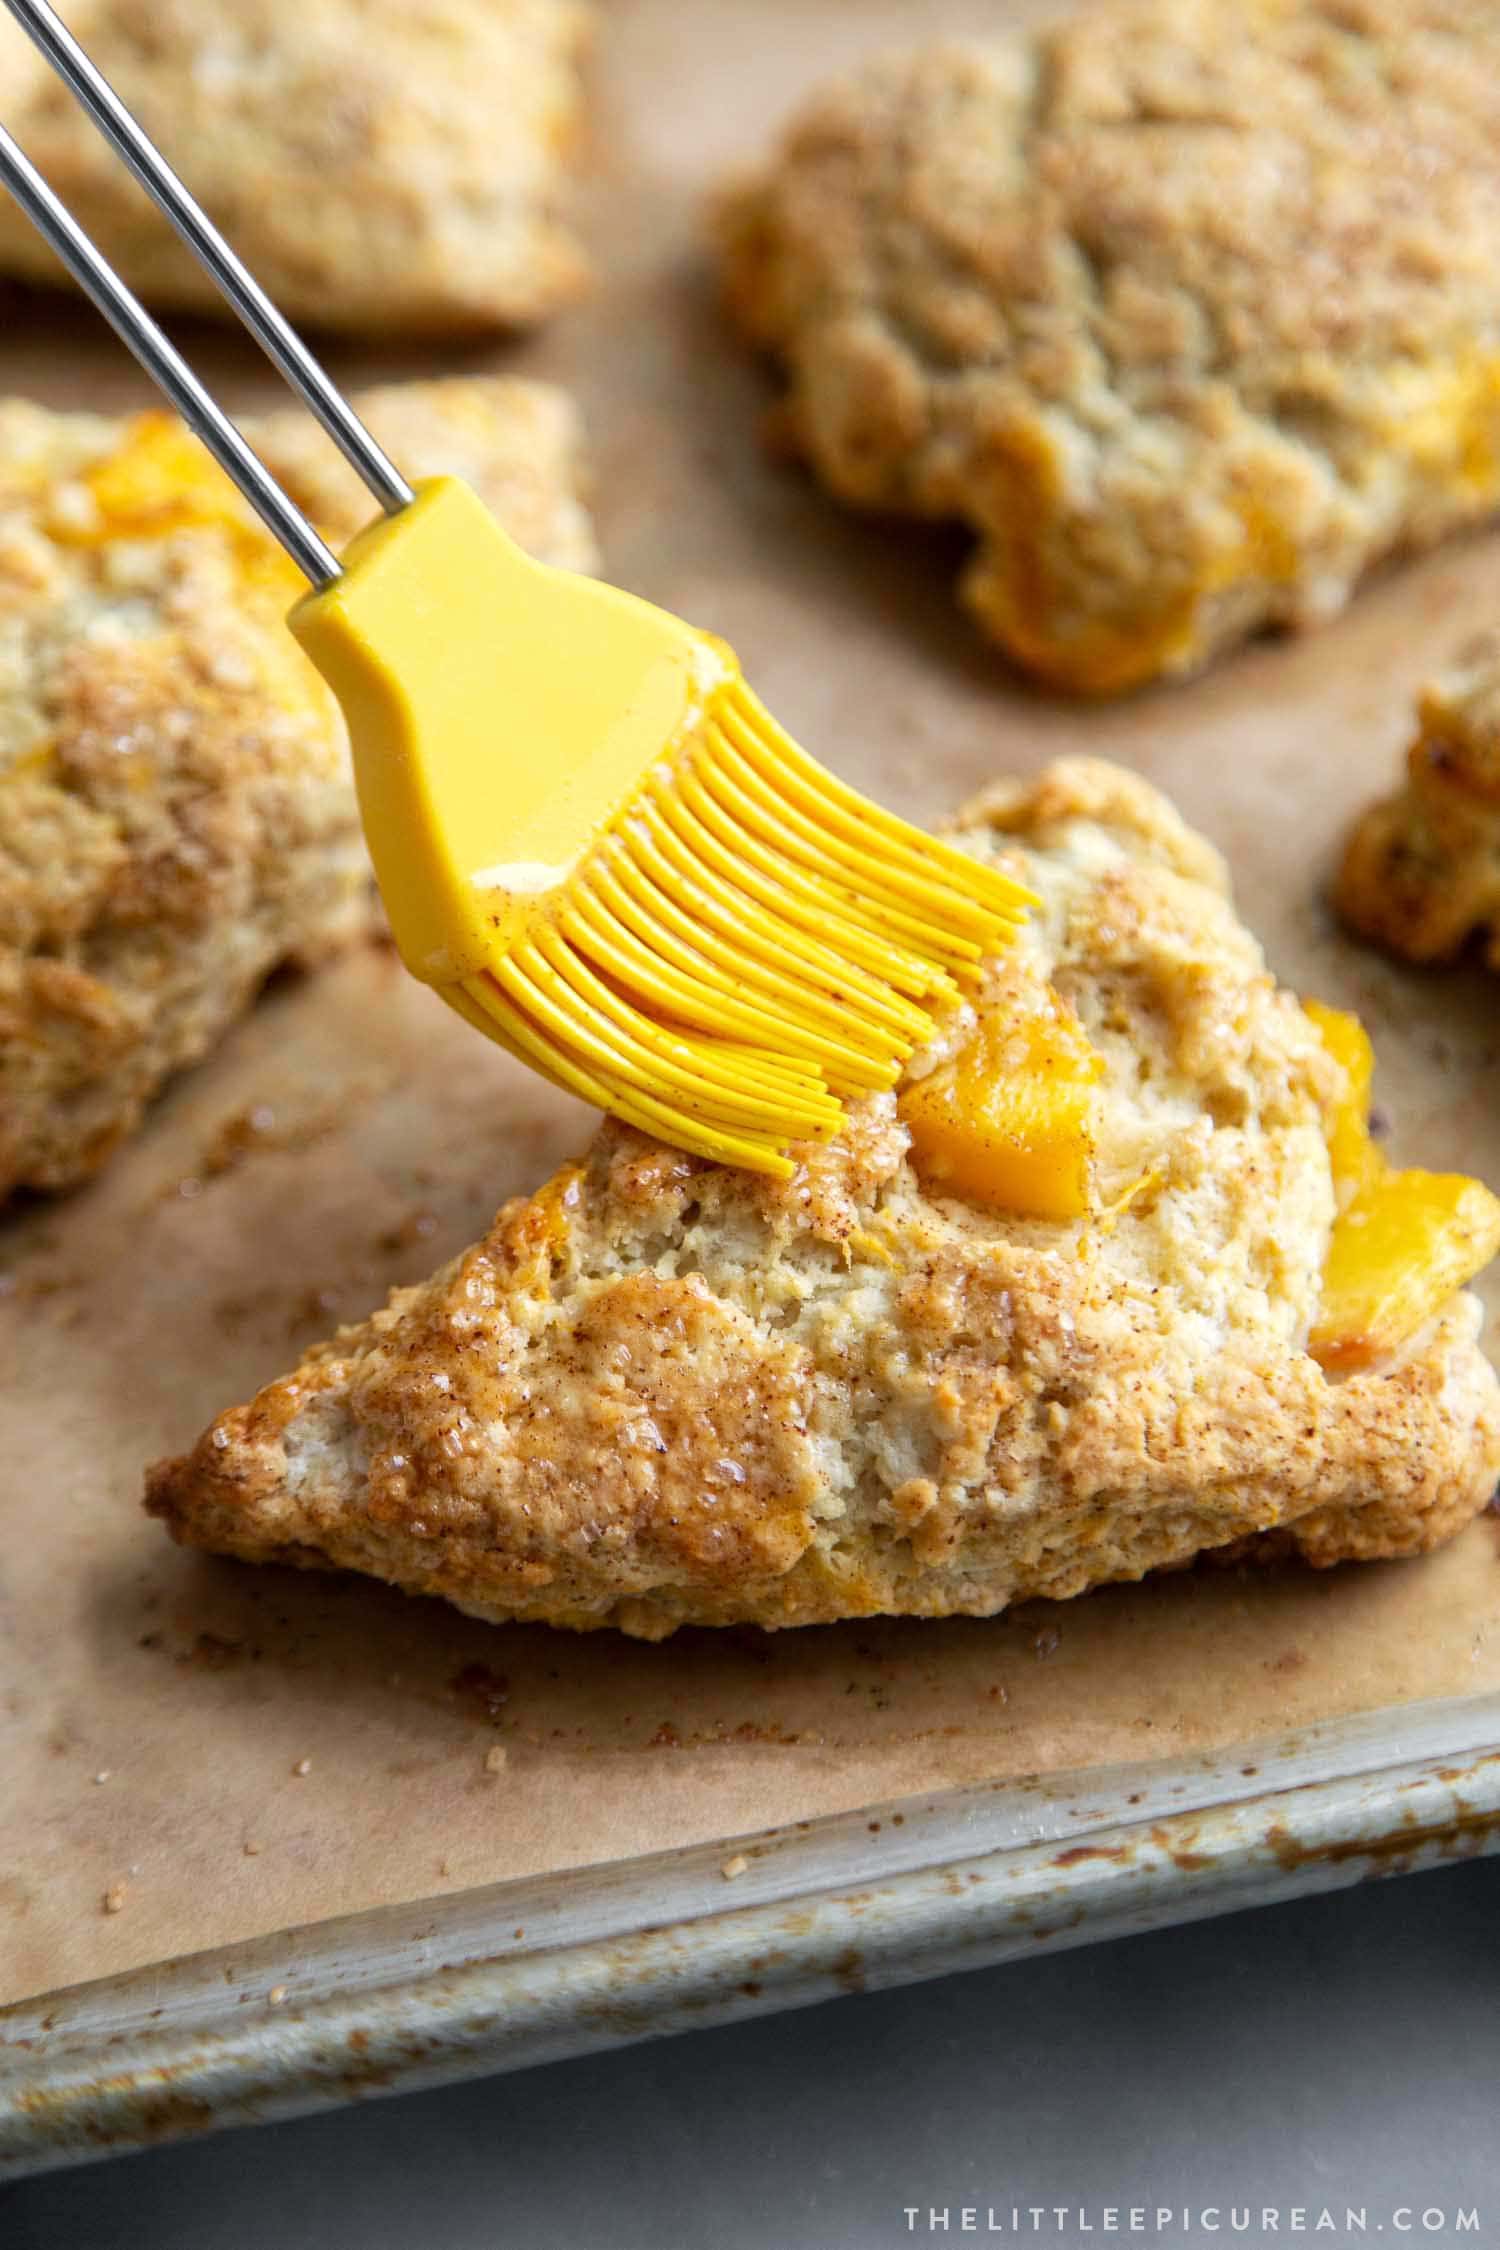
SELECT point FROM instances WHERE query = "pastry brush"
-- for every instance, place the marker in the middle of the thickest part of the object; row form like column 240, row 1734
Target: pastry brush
column 590, row 836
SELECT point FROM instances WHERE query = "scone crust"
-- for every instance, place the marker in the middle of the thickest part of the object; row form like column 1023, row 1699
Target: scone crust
column 1421, row 874
column 1186, row 308
column 660, row 1392
column 177, row 813
column 379, row 165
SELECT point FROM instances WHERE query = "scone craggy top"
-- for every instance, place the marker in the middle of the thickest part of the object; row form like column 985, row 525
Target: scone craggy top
column 660, row 1391
column 377, row 165
column 1186, row 308
column 178, row 812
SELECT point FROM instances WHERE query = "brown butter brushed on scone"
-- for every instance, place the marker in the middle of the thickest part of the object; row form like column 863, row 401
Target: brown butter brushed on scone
column 661, row 1392
column 177, row 812
column 1188, row 308
column 1421, row 873
column 378, row 164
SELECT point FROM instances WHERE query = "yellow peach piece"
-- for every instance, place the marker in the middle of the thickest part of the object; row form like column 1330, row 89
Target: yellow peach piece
column 157, row 481
column 1400, row 1250
column 160, row 481
column 1008, row 1122
column 1403, row 1242
column 1356, row 1159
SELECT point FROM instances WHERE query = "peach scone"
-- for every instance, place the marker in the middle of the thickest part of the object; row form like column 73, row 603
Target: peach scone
column 1421, row 873
column 1115, row 1277
column 177, row 811
column 1187, row 308
column 378, row 166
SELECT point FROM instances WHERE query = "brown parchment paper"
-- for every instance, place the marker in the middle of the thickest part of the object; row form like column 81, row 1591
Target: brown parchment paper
column 225, row 1751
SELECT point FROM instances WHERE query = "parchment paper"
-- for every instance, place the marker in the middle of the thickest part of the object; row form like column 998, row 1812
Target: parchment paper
column 219, row 1751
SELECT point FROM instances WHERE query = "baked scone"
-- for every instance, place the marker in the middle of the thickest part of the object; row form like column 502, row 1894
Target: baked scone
column 1421, row 874
column 377, row 165
column 177, row 813
column 1186, row 308
column 661, row 1392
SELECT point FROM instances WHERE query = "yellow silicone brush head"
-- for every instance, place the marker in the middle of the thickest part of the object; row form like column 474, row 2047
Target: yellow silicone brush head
column 597, row 844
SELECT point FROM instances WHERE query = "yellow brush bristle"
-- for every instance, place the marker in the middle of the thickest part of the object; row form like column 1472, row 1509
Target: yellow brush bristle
column 597, row 844
column 749, row 941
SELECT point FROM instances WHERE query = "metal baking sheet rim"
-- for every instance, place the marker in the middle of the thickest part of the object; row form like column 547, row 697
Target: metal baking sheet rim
column 540, row 1969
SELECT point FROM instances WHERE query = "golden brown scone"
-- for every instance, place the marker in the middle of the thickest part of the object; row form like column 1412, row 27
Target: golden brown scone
column 1187, row 308
column 1422, row 870
column 661, row 1392
column 378, row 164
column 177, row 813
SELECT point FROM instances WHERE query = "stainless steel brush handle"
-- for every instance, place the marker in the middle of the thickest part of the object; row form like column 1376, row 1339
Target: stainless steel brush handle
column 141, row 334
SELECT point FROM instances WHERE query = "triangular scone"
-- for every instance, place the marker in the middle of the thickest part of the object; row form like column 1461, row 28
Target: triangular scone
column 177, row 810
column 660, row 1392
column 378, row 165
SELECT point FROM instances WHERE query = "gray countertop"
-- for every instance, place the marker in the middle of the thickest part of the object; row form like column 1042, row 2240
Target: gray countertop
column 1342, row 2052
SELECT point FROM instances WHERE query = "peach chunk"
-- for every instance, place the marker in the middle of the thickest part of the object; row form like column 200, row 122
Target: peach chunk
column 1008, row 1122
column 1402, row 1248
column 158, row 482
column 1356, row 1158
column 1403, row 1242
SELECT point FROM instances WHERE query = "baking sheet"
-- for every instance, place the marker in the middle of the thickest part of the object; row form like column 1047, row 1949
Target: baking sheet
column 520, row 1973
column 195, row 1753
